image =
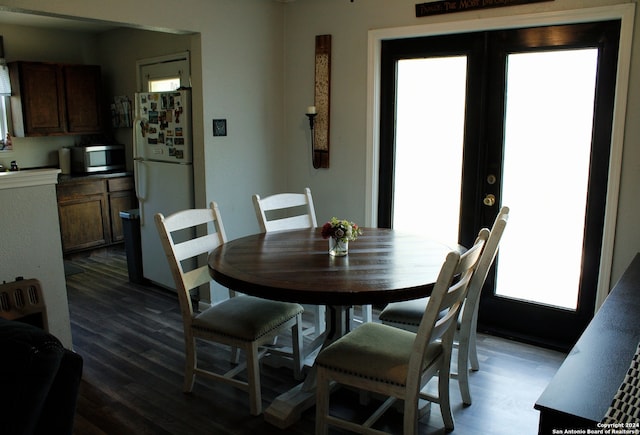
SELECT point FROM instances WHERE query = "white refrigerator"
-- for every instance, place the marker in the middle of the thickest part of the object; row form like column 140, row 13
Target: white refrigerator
column 163, row 170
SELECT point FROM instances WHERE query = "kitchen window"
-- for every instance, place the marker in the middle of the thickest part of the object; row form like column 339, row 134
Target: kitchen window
column 165, row 73
column 164, row 85
column 5, row 92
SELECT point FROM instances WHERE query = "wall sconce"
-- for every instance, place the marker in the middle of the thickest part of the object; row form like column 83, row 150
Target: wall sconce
column 311, row 114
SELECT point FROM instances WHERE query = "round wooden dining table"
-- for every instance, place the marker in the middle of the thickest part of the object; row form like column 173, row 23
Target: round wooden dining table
column 382, row 266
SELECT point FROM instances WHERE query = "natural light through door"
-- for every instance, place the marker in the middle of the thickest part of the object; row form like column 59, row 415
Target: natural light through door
column 164, row 85
column 429, row 145
column 547, row 147
column 548, row 127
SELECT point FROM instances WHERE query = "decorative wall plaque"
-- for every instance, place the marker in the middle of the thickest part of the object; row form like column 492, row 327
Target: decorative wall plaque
column 449, row 6
column 322, row 93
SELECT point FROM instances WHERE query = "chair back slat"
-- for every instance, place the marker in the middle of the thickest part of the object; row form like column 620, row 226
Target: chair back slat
column 188, row 218
column 288, row 223
column 194, row 247
column 283, row 200
column 285, row 211
column 196, row 277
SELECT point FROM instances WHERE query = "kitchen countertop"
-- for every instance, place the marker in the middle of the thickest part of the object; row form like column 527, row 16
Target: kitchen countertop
column 28, row 177
column 67, row 178
column 40, row 176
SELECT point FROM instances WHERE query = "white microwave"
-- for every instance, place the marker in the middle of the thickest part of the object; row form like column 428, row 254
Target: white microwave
column 97, row 158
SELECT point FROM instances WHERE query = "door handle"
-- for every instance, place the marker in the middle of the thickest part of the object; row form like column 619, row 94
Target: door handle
column 489, row 200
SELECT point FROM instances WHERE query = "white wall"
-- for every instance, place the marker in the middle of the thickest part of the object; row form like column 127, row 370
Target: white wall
column 242, row 70
column 31, row 248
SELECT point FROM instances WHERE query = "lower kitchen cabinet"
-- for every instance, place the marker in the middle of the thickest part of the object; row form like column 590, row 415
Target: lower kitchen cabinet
column 82, row 223
column 89, row 210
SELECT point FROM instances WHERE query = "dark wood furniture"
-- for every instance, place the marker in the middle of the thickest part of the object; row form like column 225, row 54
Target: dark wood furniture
column 55, row 99
column 89, row 210
column 580, row 393
column 382, row 266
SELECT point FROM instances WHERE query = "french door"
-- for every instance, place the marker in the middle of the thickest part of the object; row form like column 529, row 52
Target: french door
column 513, row 117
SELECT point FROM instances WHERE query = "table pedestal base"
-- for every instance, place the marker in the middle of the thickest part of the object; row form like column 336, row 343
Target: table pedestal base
column 287, row 408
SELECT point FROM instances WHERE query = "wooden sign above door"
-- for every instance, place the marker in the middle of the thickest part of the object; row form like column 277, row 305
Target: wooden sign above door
column 450, row 6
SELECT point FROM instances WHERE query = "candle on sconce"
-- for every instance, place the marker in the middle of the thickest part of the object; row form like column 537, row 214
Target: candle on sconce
column 311, row 110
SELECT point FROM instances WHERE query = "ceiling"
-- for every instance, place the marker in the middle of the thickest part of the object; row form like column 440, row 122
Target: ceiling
column 55, row 22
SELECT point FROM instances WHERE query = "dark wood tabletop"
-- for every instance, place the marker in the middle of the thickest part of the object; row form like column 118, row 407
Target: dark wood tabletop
column 382, row 266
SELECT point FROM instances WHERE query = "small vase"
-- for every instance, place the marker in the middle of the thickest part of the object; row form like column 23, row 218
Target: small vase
column 338, row 247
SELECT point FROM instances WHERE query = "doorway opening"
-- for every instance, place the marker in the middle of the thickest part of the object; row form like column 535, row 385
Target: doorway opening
column 534, row 110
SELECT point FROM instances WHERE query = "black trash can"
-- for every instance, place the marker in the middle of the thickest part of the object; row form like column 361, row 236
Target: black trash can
column 132, row 245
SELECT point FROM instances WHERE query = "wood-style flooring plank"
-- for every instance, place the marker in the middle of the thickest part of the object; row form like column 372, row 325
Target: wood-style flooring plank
column 131, row 339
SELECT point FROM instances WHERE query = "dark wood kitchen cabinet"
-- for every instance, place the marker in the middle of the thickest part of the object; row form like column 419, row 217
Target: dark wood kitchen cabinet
column 82, row 208
column 89, row 210
column 55, row 99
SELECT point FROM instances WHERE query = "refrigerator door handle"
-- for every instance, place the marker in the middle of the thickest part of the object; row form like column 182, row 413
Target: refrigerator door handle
column 138, row 138
column 139, row 176
column 140, row 185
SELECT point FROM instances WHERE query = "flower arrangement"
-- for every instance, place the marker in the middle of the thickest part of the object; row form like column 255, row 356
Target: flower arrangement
column 341, row 229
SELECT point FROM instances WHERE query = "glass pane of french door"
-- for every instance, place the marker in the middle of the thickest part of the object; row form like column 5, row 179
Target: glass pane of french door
column 547, row 145
column 429, row 146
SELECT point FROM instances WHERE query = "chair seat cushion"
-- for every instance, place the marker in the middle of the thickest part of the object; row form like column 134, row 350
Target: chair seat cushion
column 375, row 351
column 405, row 312
column 246, row 317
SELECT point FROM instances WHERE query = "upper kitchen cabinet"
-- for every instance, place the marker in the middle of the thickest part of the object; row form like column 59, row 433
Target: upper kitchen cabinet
column 82, row 92
column 55, row 99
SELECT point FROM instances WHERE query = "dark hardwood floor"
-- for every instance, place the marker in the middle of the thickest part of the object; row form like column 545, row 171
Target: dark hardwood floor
column 130, row 337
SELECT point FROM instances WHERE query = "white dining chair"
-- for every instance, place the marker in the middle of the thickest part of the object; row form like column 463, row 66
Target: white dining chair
column 407, row 314
column 285, row 211
column 241, row 322
column 395, row 363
